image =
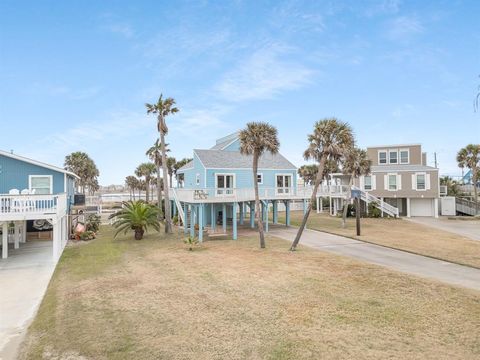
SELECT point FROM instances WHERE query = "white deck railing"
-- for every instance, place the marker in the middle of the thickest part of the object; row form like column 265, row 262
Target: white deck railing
column 27, row 206
column 248, row 194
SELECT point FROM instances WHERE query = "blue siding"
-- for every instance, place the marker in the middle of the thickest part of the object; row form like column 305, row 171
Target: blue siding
column 244, row 177
column 191, row 174
column 235, row 146
column 14, row 175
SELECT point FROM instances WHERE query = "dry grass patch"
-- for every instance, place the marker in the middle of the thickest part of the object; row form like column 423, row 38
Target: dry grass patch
column 400, row 234
column 153, row 299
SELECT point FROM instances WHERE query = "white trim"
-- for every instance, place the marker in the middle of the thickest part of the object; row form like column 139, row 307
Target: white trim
column 371, row 182
column 32, row 176
column 193, row 160
column 424, row 181
column 393, row 151
column 234, row 177
column 230, row 143
column 65, row 183
column 38, row 163
column 401, row 170
column 388, row 181
column 392, row 146
column 261, row 182
column 283, row 174
column 197, row 179
column 386, row 156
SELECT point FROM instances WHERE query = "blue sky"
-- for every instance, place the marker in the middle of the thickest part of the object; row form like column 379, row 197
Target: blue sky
column 74, row 75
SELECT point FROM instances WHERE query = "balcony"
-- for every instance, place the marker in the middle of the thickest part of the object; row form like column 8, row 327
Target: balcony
column 31, row 207
column 211, row 195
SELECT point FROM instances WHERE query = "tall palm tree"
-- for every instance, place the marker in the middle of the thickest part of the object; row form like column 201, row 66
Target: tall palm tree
column 164, row 108
column 331, row 139
column 155, row 154
column 146, row 170
column 469, row 157
column 355, row 164
column 256, row 139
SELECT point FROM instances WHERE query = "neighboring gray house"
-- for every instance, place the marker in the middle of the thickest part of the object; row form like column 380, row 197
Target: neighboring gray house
column 400, row 176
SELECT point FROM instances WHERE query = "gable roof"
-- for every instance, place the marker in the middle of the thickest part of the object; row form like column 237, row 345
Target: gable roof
column 37, row 163
column 218, row 159
column 187, row 166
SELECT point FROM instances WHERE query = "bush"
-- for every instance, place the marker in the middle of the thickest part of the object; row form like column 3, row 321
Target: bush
column 175, row 220
column 93, row 222
column 87, row 235
column 191, row 242
column 373, row 211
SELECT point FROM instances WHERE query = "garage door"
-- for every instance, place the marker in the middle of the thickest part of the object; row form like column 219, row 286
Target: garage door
column 421, row 207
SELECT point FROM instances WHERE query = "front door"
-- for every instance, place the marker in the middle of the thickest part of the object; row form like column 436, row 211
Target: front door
column 224, row 184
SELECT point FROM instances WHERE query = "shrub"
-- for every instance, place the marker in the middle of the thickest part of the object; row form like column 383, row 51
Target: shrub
column 93, row 222
column 175, row 219
column 87, row 235
column 373, row 211
column 191, row 241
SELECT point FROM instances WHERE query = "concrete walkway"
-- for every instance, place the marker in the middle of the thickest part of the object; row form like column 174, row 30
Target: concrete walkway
column 393, row 259
column 467, row 228
column 24, row 277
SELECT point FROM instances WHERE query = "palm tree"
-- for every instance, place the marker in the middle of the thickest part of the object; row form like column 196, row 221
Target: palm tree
column 155, row 154
column 355, row 164
column 137, row 216
column 451, row 184
column 331, row 139
column 131, row 183
column 469, row 157
column 82, row 165
column 163, row 108
column 178, row 165
column 256, row 139
column 171, row 161
column 146, row 170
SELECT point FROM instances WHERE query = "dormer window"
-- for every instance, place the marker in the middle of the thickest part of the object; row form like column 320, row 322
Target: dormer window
column 382, row 157
column 393, row 157
column 404, row 156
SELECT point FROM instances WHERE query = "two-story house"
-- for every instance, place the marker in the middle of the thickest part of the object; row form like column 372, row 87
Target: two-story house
column 34, row 197
column 401, row 177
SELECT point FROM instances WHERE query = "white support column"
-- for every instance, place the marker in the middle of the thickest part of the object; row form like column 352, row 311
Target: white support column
column 56, row 239
column 318, row 205
column 24, row 231
column 16, row 235
column 330, row 208
column 435, row 207
column 4, row 240
column 381, row 205
column 408, row 207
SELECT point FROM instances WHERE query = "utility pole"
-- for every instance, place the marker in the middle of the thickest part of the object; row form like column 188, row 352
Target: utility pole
column 435, row 157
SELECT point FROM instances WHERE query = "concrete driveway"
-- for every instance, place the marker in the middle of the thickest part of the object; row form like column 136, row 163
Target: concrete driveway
column 467, row 228
column 24, row 277
column 393, row 259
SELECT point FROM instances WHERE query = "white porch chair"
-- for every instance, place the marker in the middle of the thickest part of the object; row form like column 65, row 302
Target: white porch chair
column 15, row 203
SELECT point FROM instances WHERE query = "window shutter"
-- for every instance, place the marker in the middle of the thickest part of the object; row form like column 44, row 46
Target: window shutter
column 385, row 182
column 427, row 181
column 374, row 182
column 362, row 182
column 399, row 181
column 414, row 182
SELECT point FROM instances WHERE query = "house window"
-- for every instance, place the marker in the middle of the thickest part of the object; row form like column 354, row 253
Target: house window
column 404, row 157
column 197, row 179
column 393, row 157
column 421, row 182
column 382, row 157
column 41, row 184
column 392, row 182
column 367, row 183
column 224, row 184
column 284, row 183
column 260, row 178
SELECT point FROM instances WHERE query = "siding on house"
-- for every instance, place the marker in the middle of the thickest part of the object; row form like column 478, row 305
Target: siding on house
column 415, row 151
column 244, row 177
column 14, row 174
column 190, row 175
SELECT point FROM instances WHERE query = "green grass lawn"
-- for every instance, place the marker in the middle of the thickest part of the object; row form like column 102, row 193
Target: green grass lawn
column 153, row 299
column 399, row 234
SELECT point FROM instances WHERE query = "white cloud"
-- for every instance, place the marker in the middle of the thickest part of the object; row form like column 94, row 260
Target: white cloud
column 124, row 30
column 383, row 7
column 404, row 27
column 264, row 74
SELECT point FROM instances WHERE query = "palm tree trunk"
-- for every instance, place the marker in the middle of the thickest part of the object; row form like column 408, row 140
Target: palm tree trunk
column 258, row 214
column 168, row 218
column 147, row 190
column 347, row 201
column 159, row 194
column 318, row 180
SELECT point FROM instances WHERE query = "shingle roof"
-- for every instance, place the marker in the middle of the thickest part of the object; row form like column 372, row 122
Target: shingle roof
column 187, row 166
column 235, row 160
column 221, row 145
column 394, row 168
